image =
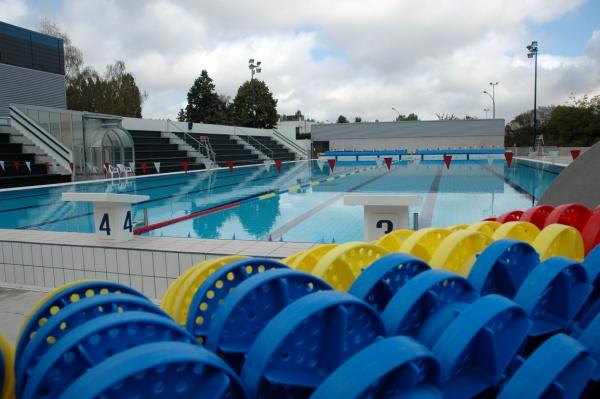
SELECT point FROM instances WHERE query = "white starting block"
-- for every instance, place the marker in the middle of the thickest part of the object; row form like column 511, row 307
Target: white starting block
column 383, row 213
column 112, row 213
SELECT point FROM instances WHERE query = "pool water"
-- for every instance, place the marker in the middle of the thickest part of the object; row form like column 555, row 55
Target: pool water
column 303, row 202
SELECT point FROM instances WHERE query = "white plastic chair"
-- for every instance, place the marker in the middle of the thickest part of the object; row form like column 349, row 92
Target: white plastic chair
column 124, row 170
column 112, row 171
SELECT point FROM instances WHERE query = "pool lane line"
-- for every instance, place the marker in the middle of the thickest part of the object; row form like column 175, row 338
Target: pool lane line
column 426, row 216
column 279, row 232
column 248, row 200
column 514, row 185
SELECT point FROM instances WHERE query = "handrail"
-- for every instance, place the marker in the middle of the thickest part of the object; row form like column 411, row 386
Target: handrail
column 261, row 146
column 295, row 146
column 59, row 150
column 210, row 154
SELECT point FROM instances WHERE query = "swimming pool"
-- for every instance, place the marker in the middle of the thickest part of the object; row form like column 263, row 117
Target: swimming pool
column 303, row 202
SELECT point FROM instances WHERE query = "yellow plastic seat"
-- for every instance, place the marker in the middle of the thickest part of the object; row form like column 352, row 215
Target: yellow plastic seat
column 393, row 240
column 457, row 227
column 423, row 242
column 184, row 287
column 485, row 226
column 8, row 354
column 292, row 258
column 459, row 250
column 522, row 231
column 340, row 266
column 307, row 260
column 559, row 240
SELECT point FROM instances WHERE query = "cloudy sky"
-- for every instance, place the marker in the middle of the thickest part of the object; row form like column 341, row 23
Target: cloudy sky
column 331, row 57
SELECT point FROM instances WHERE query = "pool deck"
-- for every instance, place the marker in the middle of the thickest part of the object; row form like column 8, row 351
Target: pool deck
column 41, row 260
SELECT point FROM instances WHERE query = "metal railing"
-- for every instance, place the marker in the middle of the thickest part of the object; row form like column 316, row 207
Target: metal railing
column 209, row 153
column 290, row 143
column 253, row 142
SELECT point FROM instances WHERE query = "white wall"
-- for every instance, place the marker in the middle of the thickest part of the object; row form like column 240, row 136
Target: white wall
column 412, row 143
column 163, row 125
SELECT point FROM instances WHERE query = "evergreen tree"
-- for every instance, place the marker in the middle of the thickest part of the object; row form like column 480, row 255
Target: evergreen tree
column 342, row 119
column 204, row 104
column 254, row 96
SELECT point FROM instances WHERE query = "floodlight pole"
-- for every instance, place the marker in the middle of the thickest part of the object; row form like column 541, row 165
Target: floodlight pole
column 254, row 68
column 533, row 50
column 397, row 112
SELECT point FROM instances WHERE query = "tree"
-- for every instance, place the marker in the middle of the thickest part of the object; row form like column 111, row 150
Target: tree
column 114, row 93
column 410, row 117
column 204, row 104
column 254, row 97
column 470, row 118
column 73, row 55
column 446, row 117
column 342, row 119
column 181, row 116
column 357, row 119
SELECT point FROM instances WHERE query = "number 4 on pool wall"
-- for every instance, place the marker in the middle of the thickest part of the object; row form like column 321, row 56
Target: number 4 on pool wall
column 128, row 225
column 104, row 224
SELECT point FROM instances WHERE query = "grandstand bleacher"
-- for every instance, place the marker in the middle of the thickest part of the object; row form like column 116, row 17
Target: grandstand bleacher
column 151, row 147
column 15, row 172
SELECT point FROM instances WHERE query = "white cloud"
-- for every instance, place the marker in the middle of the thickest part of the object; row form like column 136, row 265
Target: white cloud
column 426, row 56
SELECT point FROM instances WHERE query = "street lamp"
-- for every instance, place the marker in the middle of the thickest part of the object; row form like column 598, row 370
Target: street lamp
column 532, row 51
column 486, row 110
column 254, row 68
column 397, row 112
column 493, row 97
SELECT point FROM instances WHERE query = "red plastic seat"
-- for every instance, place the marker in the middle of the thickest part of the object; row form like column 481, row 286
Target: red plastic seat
column 512, row 216
column 537, row 215
column 574, row 215
column 591, row 231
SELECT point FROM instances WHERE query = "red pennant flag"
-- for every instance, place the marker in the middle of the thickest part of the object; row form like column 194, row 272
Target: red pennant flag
column 575, row 154
column 509, row 157
column 186, row 165
column 388, row 162
column 278, row 165
column 447, row 160
column 16, row 163
column 72, row 166
column 144, row 166
column 331, row 163
column 47, row 167
column 230, row 165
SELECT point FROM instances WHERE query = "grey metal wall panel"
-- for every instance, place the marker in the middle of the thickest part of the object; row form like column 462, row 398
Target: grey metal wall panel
column 408, row 129
column 27, row 86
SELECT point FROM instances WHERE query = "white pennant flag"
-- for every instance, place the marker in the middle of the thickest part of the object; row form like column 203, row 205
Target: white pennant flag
column 157, row 166
column 268, row 163
column 28, row 164
column 2, row 165
column 321, row 163
column 379, row 162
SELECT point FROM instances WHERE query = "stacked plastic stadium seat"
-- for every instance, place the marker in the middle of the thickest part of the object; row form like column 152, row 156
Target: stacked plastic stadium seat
column 491, row 309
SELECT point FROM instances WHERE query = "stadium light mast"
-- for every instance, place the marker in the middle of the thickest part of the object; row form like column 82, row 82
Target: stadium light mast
column 532, row 51
column 486, row 110
column 493, row 97
column 397, row 112
column 254, row 68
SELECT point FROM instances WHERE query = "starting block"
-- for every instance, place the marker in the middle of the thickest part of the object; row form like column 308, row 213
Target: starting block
column 383, row 213
column 112, row 213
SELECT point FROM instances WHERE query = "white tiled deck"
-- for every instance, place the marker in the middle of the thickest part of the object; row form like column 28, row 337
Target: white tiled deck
column 42, row 260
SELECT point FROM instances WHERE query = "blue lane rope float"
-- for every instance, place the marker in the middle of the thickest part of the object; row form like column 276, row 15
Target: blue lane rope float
column 248, row 309
column 432, row 296
column 64, row 296
column 502, row 267
column 306, row 342
column 559, row 368
column 396, row 367
column 553, row 293
column 159, row 370
column 378, row 283
column 82, row 349
column 68, row 319
column 216, row 287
